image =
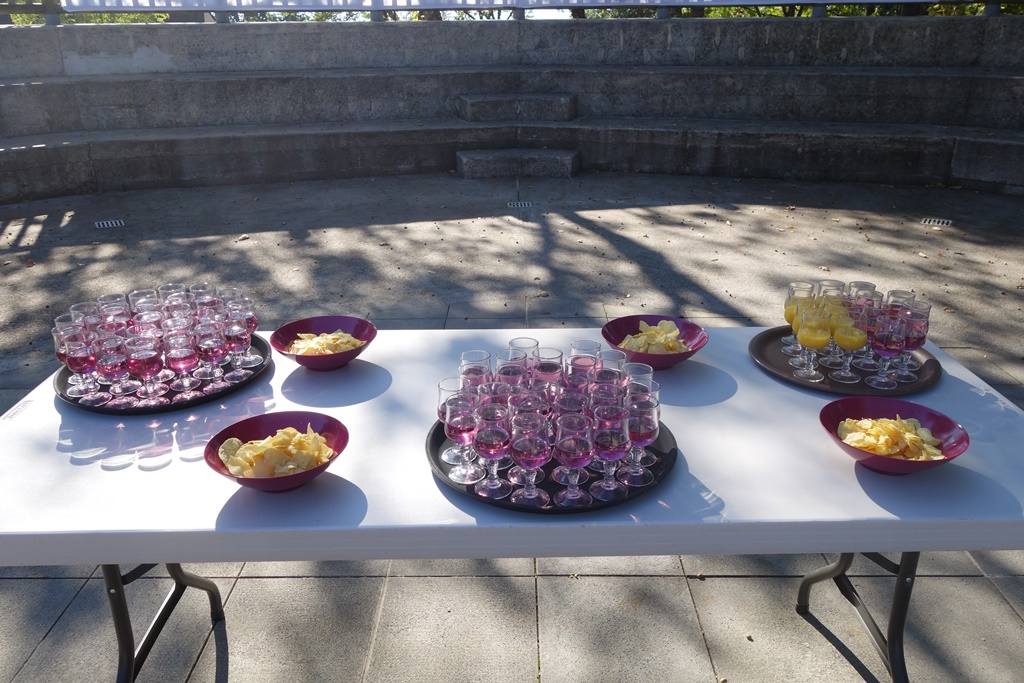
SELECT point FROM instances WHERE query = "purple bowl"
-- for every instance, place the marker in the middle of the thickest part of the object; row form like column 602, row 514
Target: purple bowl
column 953, row 436
column 283, row 337
column 691, row 334
column 260, row 427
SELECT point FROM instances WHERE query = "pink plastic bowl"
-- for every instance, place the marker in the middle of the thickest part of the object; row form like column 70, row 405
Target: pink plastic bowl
column 260, row 427
column 283, row 337
column 691, row 334
column 953, row 436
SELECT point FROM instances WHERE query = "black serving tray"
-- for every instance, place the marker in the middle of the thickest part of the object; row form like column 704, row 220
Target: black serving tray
column 766, row 350
column 664, row 449
column 60, row 386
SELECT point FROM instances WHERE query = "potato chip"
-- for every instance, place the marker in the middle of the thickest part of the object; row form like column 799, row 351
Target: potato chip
column 896, row 438
column 662, row 338
column 324, row 343
column 286, row 452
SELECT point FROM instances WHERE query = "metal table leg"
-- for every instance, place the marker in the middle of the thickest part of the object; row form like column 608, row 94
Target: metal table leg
column 889, row 645
column 130, row 659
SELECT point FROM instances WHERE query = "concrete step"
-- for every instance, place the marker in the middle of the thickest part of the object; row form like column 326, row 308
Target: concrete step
column 77, row 163
column 518, row 107
column 517, row 163
column 931, row 96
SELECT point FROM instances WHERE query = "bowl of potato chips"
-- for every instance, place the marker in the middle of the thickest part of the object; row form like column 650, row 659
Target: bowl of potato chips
column 326, row 342
column 892, row 436
column 277, row 452
column 657, row 340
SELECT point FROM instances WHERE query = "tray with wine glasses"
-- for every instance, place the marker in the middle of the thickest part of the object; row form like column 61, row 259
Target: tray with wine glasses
column 662, row 455
column 205, row 391
column 766, row 351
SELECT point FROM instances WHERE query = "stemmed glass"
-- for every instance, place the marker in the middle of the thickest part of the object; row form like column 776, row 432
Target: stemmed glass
column 888, row 341
column 584, row 347
column 492, row 441
column 868, row 307
column 113, row 365
column 548, row 364
column 145, row 361
column 814, row 334
column 798, row 291
column 574, row 449
column 803, row 304
column 529, row 346
column 644, row 427
column 838, row 314
column 611, row 444
column 236, row 336
column 576, row 373
column 639, row 391
column 849, row 337
column 81, row 359
column 916, row 314
column 62, row 335
column 460, row 425
column 212, row 349
column 510, row 366
column 180, row 355
column 245, row 307
column 475, row 367
column 447, row 388
column 531, row 450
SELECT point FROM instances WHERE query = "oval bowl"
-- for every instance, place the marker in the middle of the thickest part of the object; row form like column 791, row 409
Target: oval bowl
column 261, row 426
column 953, row 436
column 359, row 328
column 691, row 334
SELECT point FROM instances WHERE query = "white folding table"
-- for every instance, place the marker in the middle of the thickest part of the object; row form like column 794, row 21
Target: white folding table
column 755, row 474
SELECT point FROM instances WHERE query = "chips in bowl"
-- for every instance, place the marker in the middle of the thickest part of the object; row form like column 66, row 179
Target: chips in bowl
column 326, row 342
column 277, row 452
column 666, row 341
column 892, row 436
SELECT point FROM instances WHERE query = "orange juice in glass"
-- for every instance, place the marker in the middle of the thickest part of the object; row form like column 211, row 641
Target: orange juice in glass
column 814, row 333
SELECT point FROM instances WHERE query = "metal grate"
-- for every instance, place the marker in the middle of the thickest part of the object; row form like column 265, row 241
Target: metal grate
column 936, row 221
column 110, row 224
column 519, row 205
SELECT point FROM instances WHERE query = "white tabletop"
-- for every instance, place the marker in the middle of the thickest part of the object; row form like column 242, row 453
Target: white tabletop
column 756, row 473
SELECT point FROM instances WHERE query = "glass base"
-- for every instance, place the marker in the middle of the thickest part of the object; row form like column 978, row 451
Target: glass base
column 154, row 402
column 516, row 475
column 493, row 488
column 560, row 475
column 95, row 399
column 634, row 476
column 539, row 499
column 809, row 375
column 881, row 382
column 123, row 402
column 451, row 455
column 602, row 491
column 186, row 396
column 831, row 362
column 566, row 499
column 236, row 376
column 466, row 474
column 251, row 360
column 842, row 377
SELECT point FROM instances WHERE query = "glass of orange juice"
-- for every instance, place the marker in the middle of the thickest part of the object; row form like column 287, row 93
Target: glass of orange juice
column 814, row 334
column 849, row 337
column 798, row 291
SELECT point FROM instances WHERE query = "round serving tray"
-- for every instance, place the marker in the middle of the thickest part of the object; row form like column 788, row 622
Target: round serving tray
column 664, row 449
column 766, row 350
column 60, row 386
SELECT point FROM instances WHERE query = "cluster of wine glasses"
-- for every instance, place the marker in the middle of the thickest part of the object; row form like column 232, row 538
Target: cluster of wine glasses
column 514, row 410
column 155, row 347
column 854, row 325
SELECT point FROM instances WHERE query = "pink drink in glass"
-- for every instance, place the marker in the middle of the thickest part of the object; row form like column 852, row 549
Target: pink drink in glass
column 548, row 371
column 611, row 444
column 81, row 359
column 145, row 364
column 491, row 442
column 113, row 366
column 212, row 350
column 460, row 428
column 182, row 359
column 574, row 452
column 475, row 375
column 530, row 451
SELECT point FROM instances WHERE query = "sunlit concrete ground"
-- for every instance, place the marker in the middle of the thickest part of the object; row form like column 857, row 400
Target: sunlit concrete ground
column 420, row 252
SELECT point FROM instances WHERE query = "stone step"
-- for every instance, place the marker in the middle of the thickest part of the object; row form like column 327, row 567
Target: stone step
column 518, row 107
column 78, row 163
column 517, row 163
column 956, row 97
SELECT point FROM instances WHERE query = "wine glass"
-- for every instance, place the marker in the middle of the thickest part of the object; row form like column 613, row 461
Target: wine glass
column 448, row 388
column 535, row 424
column 145, row 361
column 576, row 373
column 888, row 341
column 644, row 427
column 527, row 345
column 510, row 366
column 611, row 358
column 212, row 349
column 814, row 334
column 849, row 337
column 143, row 296
column 475, row 365
column 236, row 336
column 81, row 359
column 245, row 307
column 867, row 309
column 492, row 441
column 574, row 449
column 180, row 355
column 460, row 425
column 112, row 364
column 838, row 314
column 584, row 347
column 916, row 314
column 78, row 383
column 547, row 364
column 568, row 403
column 795, row 291
column 87, row 314
column 530, row 451
column 638, row 373
column 611, row 444
column 799, row 359
column 165, row 290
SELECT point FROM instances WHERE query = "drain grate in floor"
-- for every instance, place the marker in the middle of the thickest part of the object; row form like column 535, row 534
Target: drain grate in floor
column 519, row 205
column 118, row 223
column 936, row 221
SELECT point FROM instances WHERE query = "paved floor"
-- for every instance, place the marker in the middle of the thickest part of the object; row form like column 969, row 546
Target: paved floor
column 437, row 251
